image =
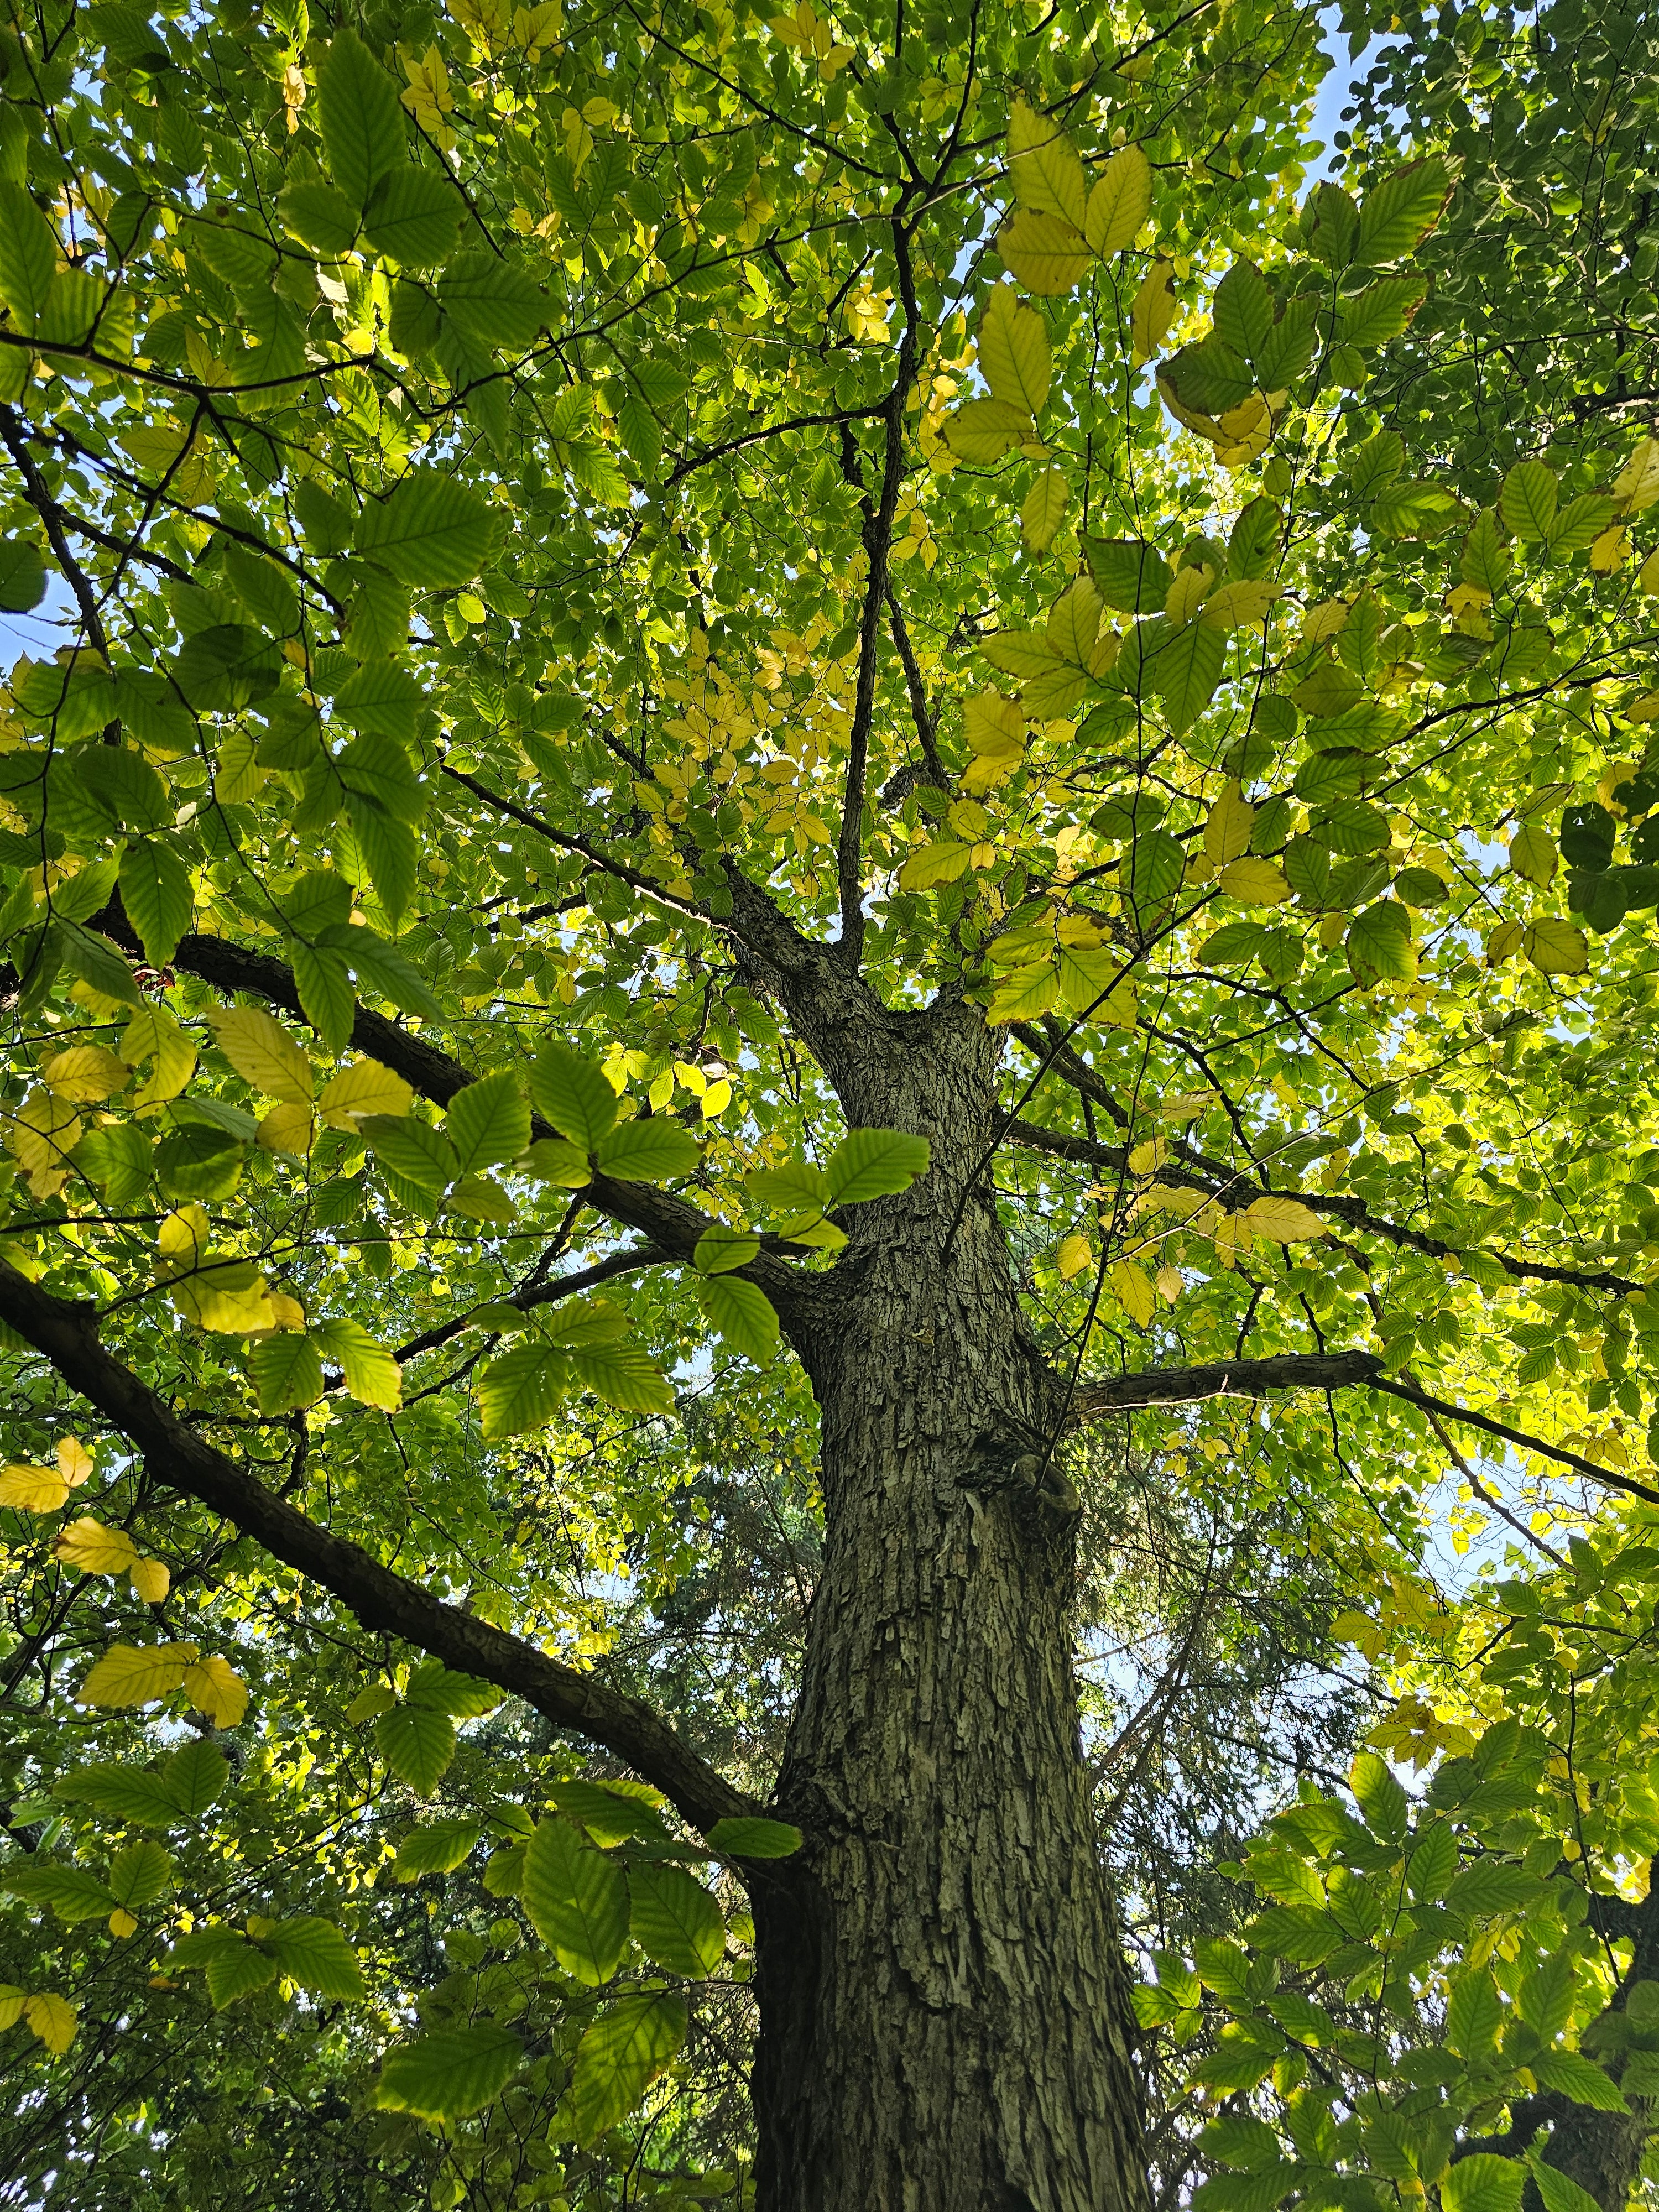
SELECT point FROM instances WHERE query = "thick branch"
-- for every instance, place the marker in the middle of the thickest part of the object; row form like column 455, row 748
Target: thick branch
column 1238, row 1379
column 381, row 1600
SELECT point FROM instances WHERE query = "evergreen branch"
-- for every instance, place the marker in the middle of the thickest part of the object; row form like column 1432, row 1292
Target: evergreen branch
column 66, row 1335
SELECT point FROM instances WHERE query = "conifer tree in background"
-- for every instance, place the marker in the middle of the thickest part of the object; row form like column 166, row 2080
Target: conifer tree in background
column 827, row 857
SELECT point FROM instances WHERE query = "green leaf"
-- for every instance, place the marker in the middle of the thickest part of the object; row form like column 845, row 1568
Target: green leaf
column 522, row 1390
column 1483, row 2183
column 573, row 1095
column 463, row 1697
column 23, row 575
column 1527, row 500
column 497, row 308
column 236, row 1969
column 326, row 998
column 438, row 1848
column 359, row 116
column 1382, row 1800
column 139, row 1874
column 315, row 1954
column 1432, row 1863
column 655, row 1151
column 429, row 530
column 721, row 1250
column 745, row 1838
column 451, row 2073
column 487, row 1122
column 743, row 1316
column 28, row 254
column 1379, row 943
column 126, row 1794
column 1129, row 575
column 1580, row 2078
column 873, row 1164
column 316, row 213
column 414, row 215
column 122, row 789
column 155, row 890
column 619, row 2057
column 70, row 1891
column 1491, row 1886
column 624, row 1377
column 195, row 1778
column 1559, row 2191
column 610, row 1815
column 675, row 1921
column 1475, row 2015
column 1187, row 672
column 372, row 1375
column 413, row 1149
column 287, row 1371
column 417, row 1743
column 577, row 1901
column 1397, row 214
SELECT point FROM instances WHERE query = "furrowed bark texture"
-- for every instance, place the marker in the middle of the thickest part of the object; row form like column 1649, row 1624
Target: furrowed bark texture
column 943, row 2005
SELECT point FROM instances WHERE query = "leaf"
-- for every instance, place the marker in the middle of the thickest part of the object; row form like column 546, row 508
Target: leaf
column 1044, row 510
column 360, row 1090
column 873, row 1164
column 1527, row 500
column 214, row 1689
column 1127, row 574
column 316, row 1954
column 195, row 1777
column 451, row 2073
column 1475, row 2013
column 719, row 1250
column 1398, row 214
column 1152, row 310
column 139, row 1874
column 54, row 2020
column 983, row 430
column 417, row 1742
column 1559, row 2192
column 1379, row 943
column 1119, row 203
column 414, row 215
column 574, row 1096
column 748, row 1838
column 1572, row 2075
column 1013, row 353
column 1043, row 251
column 655, row 1151
column 286, row 1372
column 1132, row 1287
column 619, row 2057
column 438, row 1848
column 429, row 530
column 1254, row 881
column 315, row 212
column 372, row 1375
column 412, row 1149
column 33, row 1489
column 325, row 996
column 1483, row 2183
column 520, row 1391
column 1187, row 672
column 743, row 1316
column 23, row 575
column 1432, row 1863
column 126, row 1675
column 236, row 1969
column 577, row 1901
column 1044, row 165
column 674, row 1920
column 1283, row 1221
column 156, row 889
column 1382, row 1800
column 126, row 1794
column 28, row 254
column 1555, row 947
column 359, row 116
column 930, row 866
column 95, row 1550
column 70, row 1891
column 624, row 1377
column 1227, row 826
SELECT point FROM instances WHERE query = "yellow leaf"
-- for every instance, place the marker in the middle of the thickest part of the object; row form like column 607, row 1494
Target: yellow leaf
column 1132, row 1289
column 12, row 2001
column 1074, row 622
column 1044, row 510
column 1085, row 974
column 287, row 1127
column 1645, row 709
column 153, row 1035
column 181, row 1240
column 150, row 1581
column 1146, row 1160
column 1256, row 882
column 85, row 1074
column 1283, row 1221
column 213, row 1688
column 1047, row 253
column 1048, row 175
column 1151, row 311
column 1608, row 551
column 935, row 865
column 263, row 1054
column 33, row 1489
column 1227, row 830
column 1503, row 943
column 983, row 430
column 74, row 1460
column 1647, row 576
column 1637, row 484
column 1120, row 202
column 87, row 1544
column 1241, row 605
column 128, row 1676
column 363, row 1088
column 715, row 1099
column 231, row 1298
column 1168, row 1282
column 54, row 2020
column 42, row 1134
column 1074, row 1256
column 1555, row 947
column 1014, row 352
column 122, row 1923
column 995, row 731
column 286, row 1313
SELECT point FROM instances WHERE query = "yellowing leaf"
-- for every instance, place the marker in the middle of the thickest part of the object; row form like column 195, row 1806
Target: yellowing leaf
column 1151, row 311
column 1282, row 1220
column 1534, row 853
column 983, row 430
column 1227, row 829
column 213, row 1688
column 1637, row 484
column 95, row 1550
column 1074, row 622
column 1120, row 202
column 1047, row 253
column 150, row 1581
column 1607, row 550
column 53, row 2019
column 1047, row 174
column 1243, row 605
column 1074, row 1255
column 1133, row 1289
column 1026, row 994
column 33, row 1489
column 1555, row 947
column 1014, row 352
column 1044, row 510
column 288, row 1128
column 85, row 1074
column 1647, row 576
column 263, row 1054
column 126, row 1675
column 364, row 1088
column 1169, row 1283
column 12, row 2001
column 153, row 1035
column 1503, row 943
column 1325, row 620
column 935, row 865
column 1256, row 882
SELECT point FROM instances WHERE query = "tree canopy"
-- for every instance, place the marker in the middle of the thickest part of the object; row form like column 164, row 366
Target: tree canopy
column 591, row 582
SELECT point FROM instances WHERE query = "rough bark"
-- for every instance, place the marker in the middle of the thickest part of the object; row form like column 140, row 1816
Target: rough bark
column 944, row 2014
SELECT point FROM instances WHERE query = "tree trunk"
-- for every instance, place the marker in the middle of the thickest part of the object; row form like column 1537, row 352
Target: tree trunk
column 944, row 2022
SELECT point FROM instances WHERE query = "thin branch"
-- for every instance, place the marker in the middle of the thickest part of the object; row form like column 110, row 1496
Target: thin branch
column 1613, row 1480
